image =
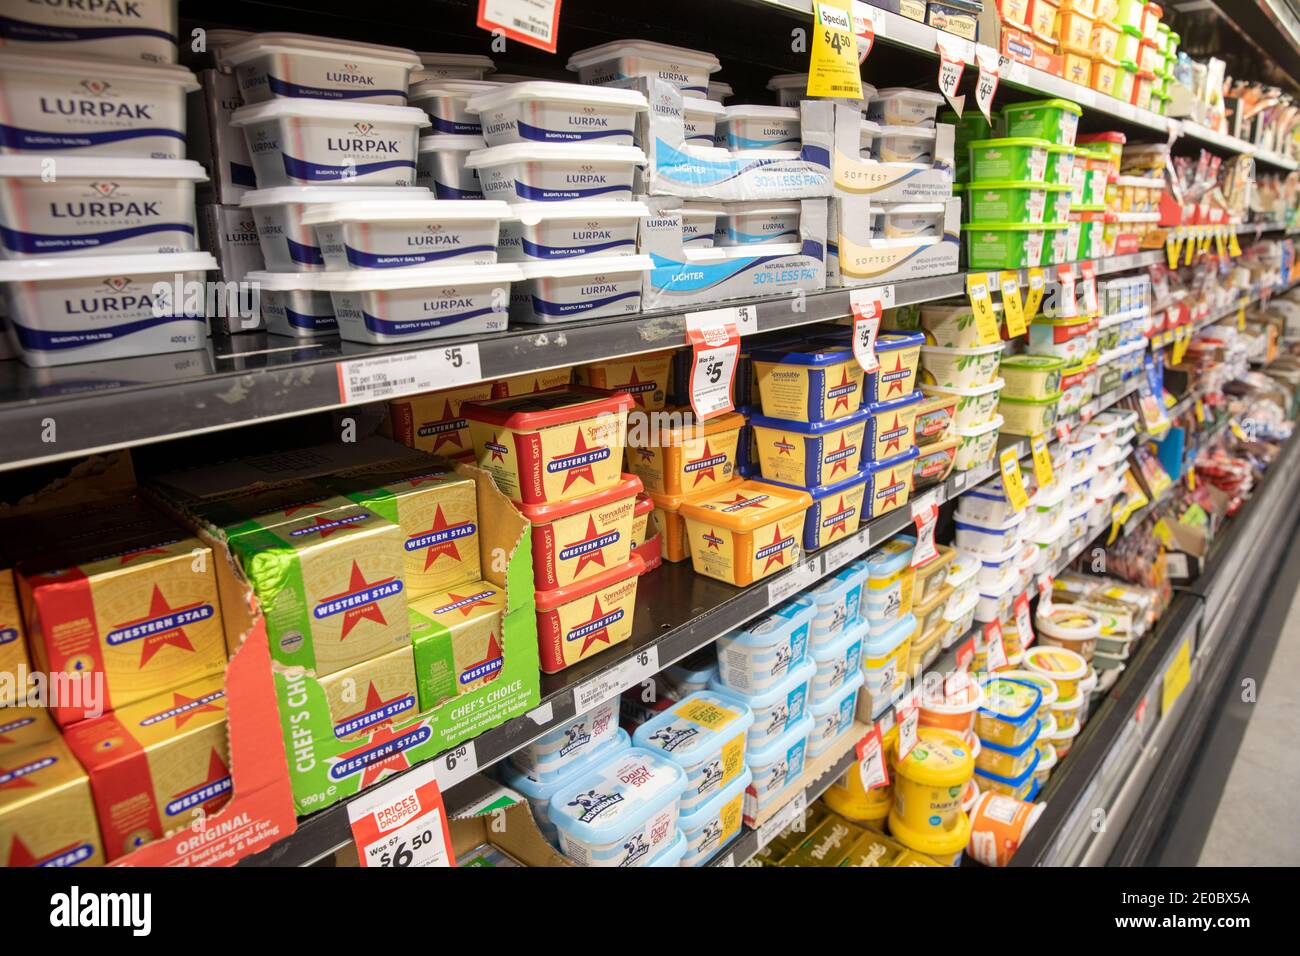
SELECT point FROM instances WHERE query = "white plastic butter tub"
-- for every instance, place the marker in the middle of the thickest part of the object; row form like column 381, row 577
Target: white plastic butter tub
column 91, row 308
column 289, row 244
column 383, row 306
column 573, row 230
column 96, row 206
column 293, row 66
column 688, row 70
column 906, row 144
column 910, row 219
column 141, row 30
column 314, row 142
column 700, row 119
column 900, row 106
column 699, row 221
column 792, row 88
column 757, row 221
column 447, row 102
column 869, row 140
column 762, row 127
column 544, row 112
column 719, row 92
column 551, row 172
column 586, row 288
column 452, row 66
column 64, row 106
column 390, row 234
column 440, row 166
column 291, row 304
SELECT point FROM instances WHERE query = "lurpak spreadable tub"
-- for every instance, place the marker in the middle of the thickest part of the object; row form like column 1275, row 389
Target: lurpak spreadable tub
column 316, row 142
column 584, row 288
column 756, row 221
column 292, row 305
column 143, row 30
column 63, row 106
column 688, row 70
column 549, row 172
column 579, row 229
column 556, row 113
column 96, row 206
column 762, row 128
column 699, row 220
column 446, row 103
column 288, row 243
column 382, row 306
column 388, row 234
column 452, row 66
column 90, row 308
column 290, row 65
column 440, row 166
column 700, row 120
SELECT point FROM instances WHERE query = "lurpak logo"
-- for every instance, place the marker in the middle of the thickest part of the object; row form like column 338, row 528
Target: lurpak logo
column 133, row 911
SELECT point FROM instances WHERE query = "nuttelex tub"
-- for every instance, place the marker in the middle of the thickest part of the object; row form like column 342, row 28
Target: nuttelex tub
column 583, row 619
column 889, row 483
column 644, row 377
column 704, row 734
column 819, row 386
column 683, row 455
column 551, row 446
column 809, row 454
column 836, row 509
column 890, row 429
column 742, row 534
column 576, row 539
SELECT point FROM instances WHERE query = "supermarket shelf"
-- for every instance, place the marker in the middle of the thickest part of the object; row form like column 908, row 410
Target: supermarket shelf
column 1276, row 159
column 1205, row 135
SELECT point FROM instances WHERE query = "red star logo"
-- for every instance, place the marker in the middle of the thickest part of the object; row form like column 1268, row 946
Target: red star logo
column 493, row 654
column 180, row 700
column 638, row 395
column 597, row 612
column 294, row 509
column 132, row 555
column 709, row 472
column 841, row 525
column 19, row 855
column 591, row 557
column 580, row 447
column 892, row 499
column 469, row 607
column 785, row 446
column 843, row 399
column 452, row 435
column 779, row 556
column 896, row 442
column 370, row 611
column 745, row 502
column 714, row 541
column 647, row 454
column 498, row 452
column 435, row 551
column 395, row 762
column 843, row 463
column 217, row 771
column 897, row 384
column 151, row 644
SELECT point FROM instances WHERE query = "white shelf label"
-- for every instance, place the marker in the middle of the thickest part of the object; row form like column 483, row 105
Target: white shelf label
column 799, row 578
column 841, row 553
column 457, row 764
column 641, row 666
column 407, row 373
column 789, row 813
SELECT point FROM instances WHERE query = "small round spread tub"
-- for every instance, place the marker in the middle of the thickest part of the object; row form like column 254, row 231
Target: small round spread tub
column 987, row 537
column 553, row 755
column 90, row 308
column 758, row 658
column 1072, row 627
column 884, row 660
column 580, row 620
column 699, row 221
column 700, row 119
column 975, row 405
column 996, row 600
column 1009, row 714
column 1000, row 824
column 960, row 367
column 836, row 509
column 687, row 70
column 762, row 128
column 935, row 418
column 542, row 112
column 890, row 581
column 1063, row 741
column 704, row 734
column 819, row 386
column 1069, row 713
column 975, row 446
column 1007, row 201
column 1056, row 121
column 1029, row 416
column 953, row 712
column 290, row 65
column 1009, row 761
column 952, row 324
column 1062, row 666
column 899, row 106
column 317, row 142
column 712, row 826
column 538, row 790
column 386, row 234
column 1009, row 159
column 291, row 304
column 96, row 206
column 960, row 616
column 833, row 717
column 757, row 221
column 685, row 458
column 839, row 604
column 913, row 145
column 809, row 454
column 563, row 290
column 744, row 533
column 889, row 483
column 778, row 708
column 779, row 764
column 440, row 166
column 552, row 172
column 836, row 662
column 584, row 228
column 986, row 504
column 384, row 306
column 452, row 66
column 1007, row 245
column 929, row 781
column 890, row 428
column 620, row 813
column 58, row 106
column 899, row 354
column 576, row 539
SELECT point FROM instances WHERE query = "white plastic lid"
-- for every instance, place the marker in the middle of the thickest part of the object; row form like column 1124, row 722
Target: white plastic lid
column 746, row 111
column 470, row 61
column 451, row 142
column 284, row 281
column 790, row 81
column 532, row 213
column 390, row 210
column 956, row 350
column 279, row 195
column 994, row 386
column 327, row 109
column 659, row 51
column 558, row 152
column 897, row 92
column 718, row 91
column 870, row 129
column 967, row 605
column 103, row 167
column 363, row 280
column 696, row 207
column 993, row 425
column 351, row 50
column 500, row 94
column 761, row 207
column 451, row 87
column 697, row 104
column 747, row 251
column 586, row 266
column 88, row 267
column 908, row 132
column 66, row 66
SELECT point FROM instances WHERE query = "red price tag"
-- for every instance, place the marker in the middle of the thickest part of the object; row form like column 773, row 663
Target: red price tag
column 951, row 66
column 1045, row 585
column 908, row 716
column 966, row 654
column 868, row 310
column 715, row 345
column 534, row 22
column 1089, row 272
column 403, row 823
column 925, row 513
column 987, row 84
column 865, row 28
column 871, row 761
column 995, row 650
column 1063, row 431
column 1023, row 623
column 1066, row 306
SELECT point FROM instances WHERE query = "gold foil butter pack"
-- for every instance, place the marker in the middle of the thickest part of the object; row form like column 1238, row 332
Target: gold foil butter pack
column 47, row 814
column 13, row 638
column 456, row 636
column 372, row 694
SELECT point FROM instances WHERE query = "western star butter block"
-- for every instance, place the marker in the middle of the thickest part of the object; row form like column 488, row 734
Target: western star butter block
column 267, row 507
column 438, row 515
column 23, row 726
column 13, row 639
column 371, row 694
column 156, row 765
column 583, row 619
column 746, row 532
column 530, row 382
column 433, row 422
column 576, row 539
column 644, row 377
column 330, row 587
column 47, row 815
column 456, row 636
column 124, row 624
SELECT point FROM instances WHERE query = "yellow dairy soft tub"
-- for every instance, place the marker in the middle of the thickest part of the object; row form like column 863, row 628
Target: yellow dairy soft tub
column 644, row 377
column 1067, row 713
column 684, row 455
column 1063, row 667
column 929, row 781
column 815, row 386
column 1018, row 787
column 1009, row 714
column 744, row 533
column 672, row 527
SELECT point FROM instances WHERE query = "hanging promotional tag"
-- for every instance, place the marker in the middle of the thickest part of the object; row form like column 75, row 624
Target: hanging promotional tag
column 1067, row 306
column 867, row 309
column 981, row 303
column 1042, row 460
column 1045, row 586
column 1013, row 309
column 534, row 22
column 864, row 27
column 987, row 85
column 995, row 649
column 1034, row 297
column 907, row 715
column 925, row 513
column 1023, row 623
column 1013, row 484
column 715, row 347
column 1088, row 270
column 1173, row 249
column 833, row 68
column 871, row 761
column 951, row 66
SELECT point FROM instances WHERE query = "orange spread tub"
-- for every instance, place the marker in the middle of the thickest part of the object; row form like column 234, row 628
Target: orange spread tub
column 815, row 386
column 644, row 377
column 745, row 533
column 551, row 446
column 674, row 545
column 577, row 539
column 684, row 458
column 641, row 519
column 583, row 619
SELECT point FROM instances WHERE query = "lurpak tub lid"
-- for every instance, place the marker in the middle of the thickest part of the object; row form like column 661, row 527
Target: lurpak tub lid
column 531, row 213
column 659, row 51
column 350, row 50
column 578, row 266
column 398, row 210
column 426, row 89
column 363, row 280
column 433, row 61
column 698, row 104
column 284, row 281
column 500, row 94
column 553, row 152
column 279, row 195
column 87, row 267
column 328, row 110
column 74, row 66
column 790, row 81
column 103, row 167
column 451, row 142
column 746, row 111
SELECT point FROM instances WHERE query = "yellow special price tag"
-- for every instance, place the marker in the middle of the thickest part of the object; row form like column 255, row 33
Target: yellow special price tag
column 1200, row 412
column 1177, row 677
column 1174, row 250
column 1042, row 460
column 1241, row 318
column 1181, row 341
column 1191, row 250
column 1013, row 482
column 1221, row 241
column 1237, row 431
column 1034, row 296
column 1191, row 478
column 1234, row 245
column 833, row 69
column 1162, row 531
column 1012, row 308
column 981, row 304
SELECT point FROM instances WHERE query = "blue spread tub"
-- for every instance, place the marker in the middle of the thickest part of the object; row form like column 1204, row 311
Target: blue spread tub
column 759, row 657
column 836, row 510
column 891, row 427
column 778, row 765
column 1018, row 787
column 837, row 662
column 539, row 792
column 672, row 854
column 704, row 734
column 552, row 755
column 808, row 386
column 833, row 717
column 809, row 454
column 713, row 825
column 778, row 709
column 884, row 658
column 839, row 603
column 889, row 485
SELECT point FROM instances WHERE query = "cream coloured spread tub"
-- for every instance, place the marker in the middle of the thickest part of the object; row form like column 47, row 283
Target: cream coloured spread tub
column 452, row 66
column 304, row 142
column 578, row 229
column 688, row 70
column 88, row 308
column 548, row 172
column 757, row 221
column 700, row 118
column 291, row 65
column 447, row 103
column 562, row 290
column 388, row 234
column 762, row 128
column 96, row 206
column 64, row 106
column 556, row 113
column 292, row 305
column 440, row 166
column 142, row 30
